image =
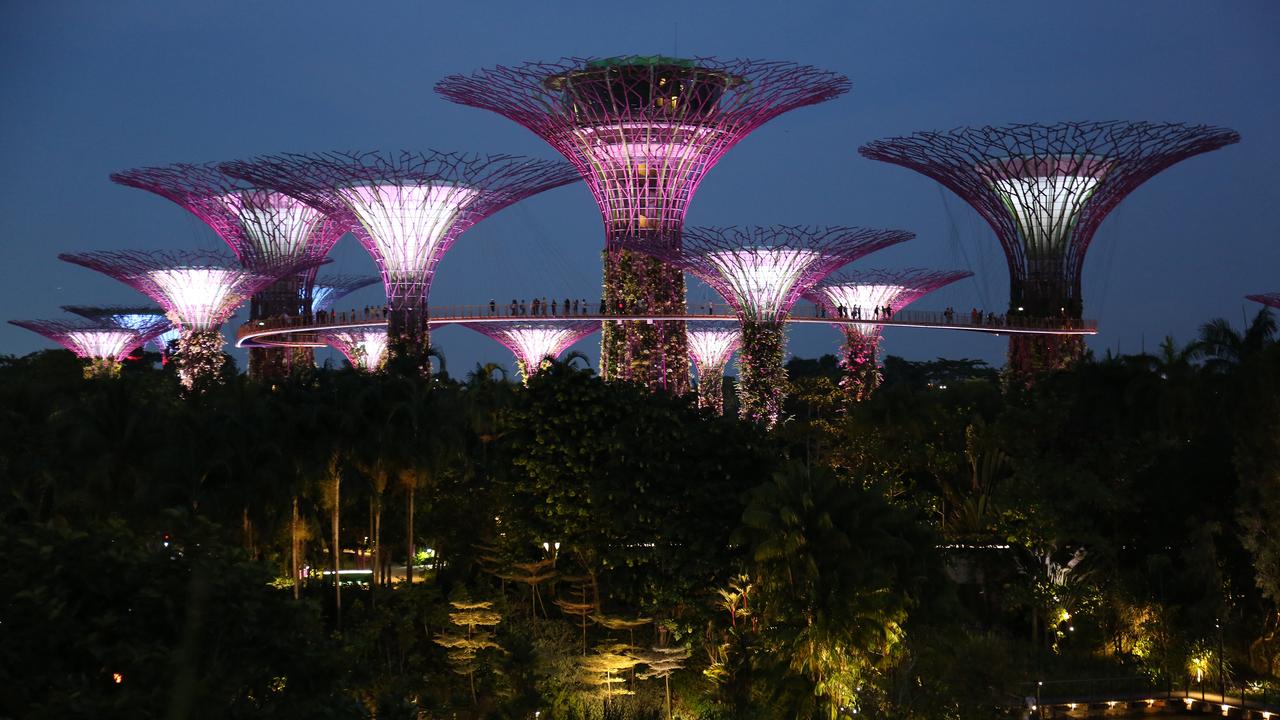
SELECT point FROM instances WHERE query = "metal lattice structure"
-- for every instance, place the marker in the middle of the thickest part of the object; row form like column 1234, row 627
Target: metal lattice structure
column 643, row 132
column 711, row 344
column 871, row 294
column 332, row 288
column 1045, row 189
column 364, row 348
column 104, row 345
column 1268, row 299
column 406, row 209
column 761, row 272
column 199, row 290
column 535, row 341
column 146, row 319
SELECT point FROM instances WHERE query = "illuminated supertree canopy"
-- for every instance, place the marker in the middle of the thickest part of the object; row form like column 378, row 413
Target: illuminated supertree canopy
column 104, row 345
column 535, row 341
column 711, row 344
column 364, row 348
column 1268, row 299
column 146, row 319
column 643, row 132
column 762, row 272
column 332, row 288
column 1045, row 189
column 198, row 290
column 864, row 294
column 408, row 209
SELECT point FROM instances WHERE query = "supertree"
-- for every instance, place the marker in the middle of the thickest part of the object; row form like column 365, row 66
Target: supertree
column 103, row 345
column 1044, row 189
column 407, row 209
column 1268, row 299
column 332, row 288
column 199, row 290
column 865, row 294
column 364, row 348
column 143, row 318
column 643, row 132
column 535, row 341
column 762, row 272
column 271, row 234
column 711, row 344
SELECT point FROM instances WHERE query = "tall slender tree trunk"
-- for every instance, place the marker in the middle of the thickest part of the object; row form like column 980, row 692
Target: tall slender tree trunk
column 408, row 563
column 293, row 550
column 337, row 550
column 377, row 542
column 667, row 679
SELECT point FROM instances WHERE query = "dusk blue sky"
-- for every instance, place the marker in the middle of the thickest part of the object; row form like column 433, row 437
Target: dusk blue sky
column 88, row 88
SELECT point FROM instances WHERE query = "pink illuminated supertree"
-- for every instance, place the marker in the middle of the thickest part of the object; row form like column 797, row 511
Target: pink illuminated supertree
column 332, row 288
column 407, row 209
column 1045, row 189
column 364, row 348
column 533, row 342
column 762, row 272
column 866, row 294
column 143, row 318
column 271, row 234
column 711, row 344
column 643, row 132
column 1268, row 299
column 103, row 345
column 198, row 290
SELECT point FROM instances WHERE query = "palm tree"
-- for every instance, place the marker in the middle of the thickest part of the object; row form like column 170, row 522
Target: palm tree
column 1221, row 347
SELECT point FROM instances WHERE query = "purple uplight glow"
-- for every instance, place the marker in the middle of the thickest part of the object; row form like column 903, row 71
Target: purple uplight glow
column 711, row 344
column 1268, row 299
column 532, row 342
column 150, row 321
column 364, row 348
column 88, row 340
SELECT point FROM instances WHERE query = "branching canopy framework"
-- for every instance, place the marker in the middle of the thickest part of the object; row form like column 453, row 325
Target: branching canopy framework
column 1044, row 189
column 94, row 340
column 199, row 290
column 332, row 288
column 711, row 344
column 534, row 341
column 1268, row 299
column 406, row 208
column 364, row 348
column 643, row 131
column 149, row 320
column 866, row 290
column 763, row 271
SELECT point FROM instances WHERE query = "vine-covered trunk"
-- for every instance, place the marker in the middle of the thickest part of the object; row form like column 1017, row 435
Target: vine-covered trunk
column 762, row 379
column 655, row 353
column 408, row 563
column 861, row 363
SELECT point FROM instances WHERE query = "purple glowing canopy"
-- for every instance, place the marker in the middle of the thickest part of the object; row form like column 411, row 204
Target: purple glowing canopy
column 406, row 208
column 1268, row 299
column 267, row 230
column 711, row 344
column 1044, row 189
column 870, row 289
column 148, row 319
column 643, row 131
column 763, row 271
column 89, row 339
column 532, row 341
column 332, row 288
column 199, row 290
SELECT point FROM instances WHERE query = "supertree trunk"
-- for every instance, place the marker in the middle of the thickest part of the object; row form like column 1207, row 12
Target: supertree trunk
column 711, row 389
column 860, row 361
column 654, row 354
column 286, row 297
column 199, row 359
column 408, row 340
column 101, row 368
column 761, row 377
column 1033, row 356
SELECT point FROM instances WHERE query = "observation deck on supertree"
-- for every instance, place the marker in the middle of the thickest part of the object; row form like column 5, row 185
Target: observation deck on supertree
column 199, row 290
column 364, row 348
column 534, row 341
column 332, row 288
column 643, row 132
column 1045, row 189
column 270, row 233
column 406, row 209
column 761, row 272
column 711, row 344
column 104, row 345
column 865, row 294
column 144, row 318
column 1268, row 299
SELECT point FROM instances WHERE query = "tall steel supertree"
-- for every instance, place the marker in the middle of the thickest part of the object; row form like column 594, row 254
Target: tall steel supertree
column 271, row 234
column 535, row 341
column 1044, row 189
column 644, row 131
column 866, row 294
column 332, row 288
column 1268, row 299
column 364, row 348
column 762, row 272
column 144, row 318
column 198, row 290
column 711, row 344
column 407, row 209
column 103, row 345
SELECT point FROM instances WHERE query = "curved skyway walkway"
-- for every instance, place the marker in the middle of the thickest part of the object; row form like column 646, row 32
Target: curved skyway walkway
column 1136, row 697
